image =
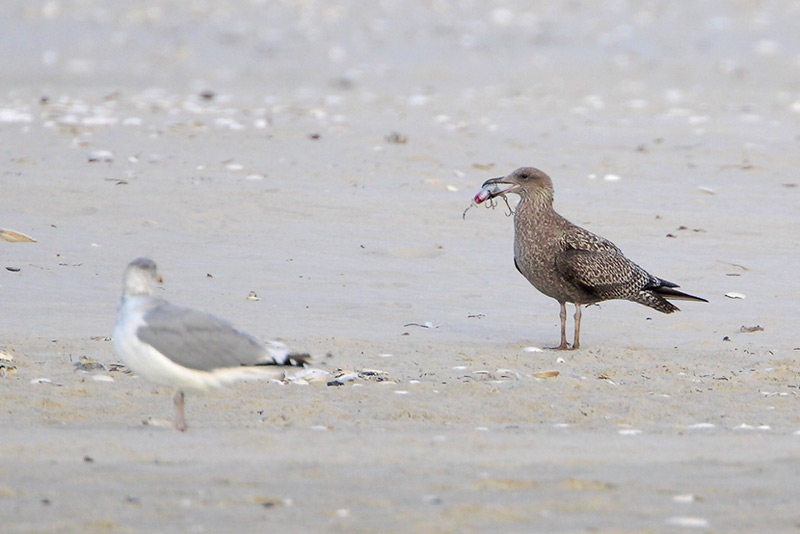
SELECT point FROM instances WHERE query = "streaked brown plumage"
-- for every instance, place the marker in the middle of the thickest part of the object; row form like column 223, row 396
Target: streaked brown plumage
column 571, row 264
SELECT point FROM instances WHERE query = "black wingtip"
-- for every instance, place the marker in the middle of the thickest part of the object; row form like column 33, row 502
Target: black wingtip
column 669, row 293
column 297, row 359
column 294, row 359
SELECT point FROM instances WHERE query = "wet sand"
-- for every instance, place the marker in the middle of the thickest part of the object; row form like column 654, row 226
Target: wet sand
column 322, row 157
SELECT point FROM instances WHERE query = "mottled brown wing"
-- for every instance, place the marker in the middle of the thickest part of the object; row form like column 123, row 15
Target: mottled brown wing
column 605, row 273
column 598, row 266
column 579, row 238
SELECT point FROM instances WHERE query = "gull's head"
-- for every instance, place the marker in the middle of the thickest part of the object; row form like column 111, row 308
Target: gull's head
column 526, row 182
column 140, row 278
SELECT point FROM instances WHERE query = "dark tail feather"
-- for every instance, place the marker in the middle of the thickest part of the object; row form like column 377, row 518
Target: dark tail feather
column 653, row 300
column 669, row 293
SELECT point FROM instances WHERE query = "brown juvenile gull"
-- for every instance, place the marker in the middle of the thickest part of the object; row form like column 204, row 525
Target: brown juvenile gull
column 186, row 349
column 569, row 263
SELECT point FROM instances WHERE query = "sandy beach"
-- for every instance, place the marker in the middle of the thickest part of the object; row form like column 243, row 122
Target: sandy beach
column 321, row 155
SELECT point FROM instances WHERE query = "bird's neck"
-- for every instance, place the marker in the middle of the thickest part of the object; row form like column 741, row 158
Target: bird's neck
column 535, row 207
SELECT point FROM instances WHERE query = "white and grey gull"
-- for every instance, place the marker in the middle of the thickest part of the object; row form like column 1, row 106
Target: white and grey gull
column 185, row 349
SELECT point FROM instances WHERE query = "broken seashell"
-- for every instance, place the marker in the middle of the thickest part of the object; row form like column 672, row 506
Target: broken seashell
column 341, row 377
column 702, row 425
column 15, row 237
column 546, row 374
column 88, row 364
column 162, row 423
column 6, row 368
column 426, row 324
column 102, row 378
column 690, row 522
column 308, row 373
column 735, row 295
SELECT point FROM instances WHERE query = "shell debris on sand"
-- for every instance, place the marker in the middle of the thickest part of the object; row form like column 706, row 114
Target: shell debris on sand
column 88, row 364
column 546, row 374
column 6, row 365
column 119, row 368
column 341, row 377
column 102, row 378
column 15, row 237
column 161, row 423
column 307, row 375
column 688, row 522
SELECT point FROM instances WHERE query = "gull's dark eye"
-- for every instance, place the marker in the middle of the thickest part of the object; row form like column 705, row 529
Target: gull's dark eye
column 523, row 176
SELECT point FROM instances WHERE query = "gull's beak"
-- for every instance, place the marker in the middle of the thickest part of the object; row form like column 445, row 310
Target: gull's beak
column 159, row 279
column 495, row 184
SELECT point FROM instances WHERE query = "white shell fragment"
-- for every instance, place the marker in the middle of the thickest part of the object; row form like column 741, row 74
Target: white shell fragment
column 545, row 374
column 426, row 324
column 702, row 425
column 707, row 190
column 161, row 423
column 101, row 155
column 15, row 237
column 532, row 349
column 102, row 378
column 690, row 522
column 612, row 178
column 308, row 374
column 736, row 296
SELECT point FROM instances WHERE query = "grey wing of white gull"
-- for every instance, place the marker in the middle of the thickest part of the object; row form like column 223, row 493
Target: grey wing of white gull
column 199, row 340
